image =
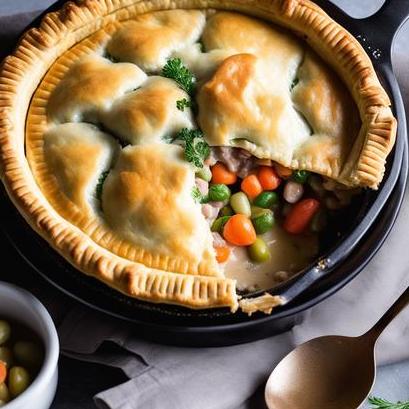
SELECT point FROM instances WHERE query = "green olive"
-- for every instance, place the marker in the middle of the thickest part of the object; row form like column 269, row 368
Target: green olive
column 28, row 354
column 5, row 331
column 263, row 222
column 6, row 356
column 19, row 380
column 219, row 223
column 240, row 204
column 204, row 173
column 226, row 211
column 266, row 200
column 319, row 222
column 219, row 193
column 259, row 251
column 300, row 176
column 4, row 393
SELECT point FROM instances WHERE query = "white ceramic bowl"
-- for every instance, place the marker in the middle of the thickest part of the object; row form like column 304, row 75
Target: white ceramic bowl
column 19, row 305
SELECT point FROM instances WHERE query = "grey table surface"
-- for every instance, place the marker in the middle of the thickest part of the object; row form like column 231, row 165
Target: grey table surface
column 79, row 381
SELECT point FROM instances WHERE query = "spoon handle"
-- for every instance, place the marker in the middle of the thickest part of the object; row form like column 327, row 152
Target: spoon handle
column 389, row 315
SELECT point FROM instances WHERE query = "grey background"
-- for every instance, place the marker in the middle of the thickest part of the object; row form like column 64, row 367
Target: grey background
column 78, row 381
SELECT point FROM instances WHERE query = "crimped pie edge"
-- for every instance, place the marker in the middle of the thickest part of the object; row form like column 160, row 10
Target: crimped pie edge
column 39, row 48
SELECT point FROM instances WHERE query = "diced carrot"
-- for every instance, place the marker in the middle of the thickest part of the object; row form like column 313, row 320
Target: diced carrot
column 283, row 171
column 222, row 254
column 221, row 175
column 3, row 372
column 239, row 231
column 268, row 178
column 251, row 186
column 300, row 216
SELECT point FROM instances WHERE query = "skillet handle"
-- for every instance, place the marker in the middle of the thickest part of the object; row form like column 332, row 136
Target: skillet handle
column 377, row 32
column 380, row 29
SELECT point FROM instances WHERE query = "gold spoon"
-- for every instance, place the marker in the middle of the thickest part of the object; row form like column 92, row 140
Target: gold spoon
column 330, row 372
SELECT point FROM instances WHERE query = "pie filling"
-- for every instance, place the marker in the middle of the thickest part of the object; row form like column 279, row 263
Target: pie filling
column 282, row 213
column 208, row 144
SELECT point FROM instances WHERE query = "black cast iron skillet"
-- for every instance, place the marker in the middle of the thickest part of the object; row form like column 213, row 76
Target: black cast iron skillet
column 369, row 227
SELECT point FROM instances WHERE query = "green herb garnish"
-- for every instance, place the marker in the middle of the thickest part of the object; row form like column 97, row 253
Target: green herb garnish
column 167, row 138
column 188, row 135
column 197, row 195
column 100, row 184
column 181, row 104
column 111, row 58
column 197, row 152
column 202, row 47
column 378, row 403
column 294, row 83
column 175, row 70
column 196, row 148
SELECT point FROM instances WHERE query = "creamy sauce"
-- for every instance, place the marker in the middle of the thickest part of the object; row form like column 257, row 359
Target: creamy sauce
column 288, row 253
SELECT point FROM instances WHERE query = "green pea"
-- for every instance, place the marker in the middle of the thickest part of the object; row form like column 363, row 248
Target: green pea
column 259, row 251
column 226, row 211
column 6, row 356
column 240, row 204
column 204, row 173
column 219, row 193
column 19, row 380
column 257, row 211
column 300, row 176
column 263, row 222
column 28, row 354
column 319, row 222
column 5, row 331
column 219, row 223
column 4, row 393
column 266, row 200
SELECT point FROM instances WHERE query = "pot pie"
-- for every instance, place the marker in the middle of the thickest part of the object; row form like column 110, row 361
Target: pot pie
column 182, row 151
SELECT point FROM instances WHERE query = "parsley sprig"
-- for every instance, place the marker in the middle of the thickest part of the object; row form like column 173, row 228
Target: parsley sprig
column 196, row 148
column 197, row 195
column 181, row 104
column 378, row 403
column 175, row 70
column 100, row 184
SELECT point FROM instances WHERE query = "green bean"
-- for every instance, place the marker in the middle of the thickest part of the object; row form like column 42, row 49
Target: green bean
column 240, row 204
column 4, row 393
column 6, row 356
column 266, row 199
column 219, row 193
column 219, row 223
column 28, row 354
column 259, row 251
column 204, row 173
column 19, row 380
column 5, row 331
column 263, row 222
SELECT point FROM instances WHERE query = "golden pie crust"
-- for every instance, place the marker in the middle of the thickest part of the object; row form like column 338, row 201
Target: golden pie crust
column 80, row 28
